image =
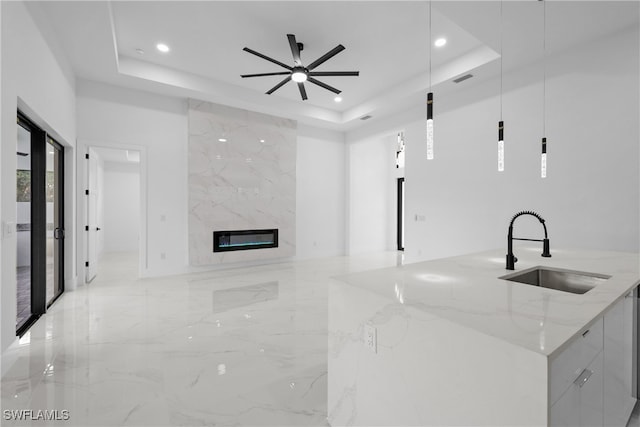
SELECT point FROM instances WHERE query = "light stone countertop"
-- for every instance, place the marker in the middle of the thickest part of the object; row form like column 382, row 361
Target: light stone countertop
column 466, row 290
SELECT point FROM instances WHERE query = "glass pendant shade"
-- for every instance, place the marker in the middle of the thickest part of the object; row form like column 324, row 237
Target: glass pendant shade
column 543, row 159
column 430, row 126
column 500, row 146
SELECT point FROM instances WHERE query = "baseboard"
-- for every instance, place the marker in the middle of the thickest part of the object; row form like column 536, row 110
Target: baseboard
column 71, row 284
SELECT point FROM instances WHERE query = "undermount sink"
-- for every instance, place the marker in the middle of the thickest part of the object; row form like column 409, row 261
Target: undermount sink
column 577, row 282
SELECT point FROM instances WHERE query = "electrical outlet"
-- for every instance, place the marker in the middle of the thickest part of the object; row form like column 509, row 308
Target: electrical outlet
column 371, row 338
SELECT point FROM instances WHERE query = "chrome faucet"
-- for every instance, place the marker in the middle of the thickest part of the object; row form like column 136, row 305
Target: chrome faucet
column 511, row 259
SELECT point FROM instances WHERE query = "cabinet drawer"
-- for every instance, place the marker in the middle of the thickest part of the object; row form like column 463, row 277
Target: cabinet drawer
column 568, row 364
column 582, row 403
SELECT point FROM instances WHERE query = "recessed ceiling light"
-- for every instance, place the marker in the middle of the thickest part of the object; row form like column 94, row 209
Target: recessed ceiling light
column 222, row 139
column 440, row 42
column 337, row 99
column 162, row 47
column 262, row 140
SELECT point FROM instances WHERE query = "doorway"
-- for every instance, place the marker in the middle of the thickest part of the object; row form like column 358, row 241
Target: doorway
column 39, row 222
column 113, row 208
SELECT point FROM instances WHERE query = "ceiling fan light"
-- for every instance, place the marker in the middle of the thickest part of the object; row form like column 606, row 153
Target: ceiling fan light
column 299, row 76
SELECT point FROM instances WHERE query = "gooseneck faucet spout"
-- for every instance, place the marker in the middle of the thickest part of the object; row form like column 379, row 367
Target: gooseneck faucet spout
column 511, row 259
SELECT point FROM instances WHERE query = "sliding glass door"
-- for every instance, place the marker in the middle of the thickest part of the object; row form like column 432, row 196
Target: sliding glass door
column 39, row 225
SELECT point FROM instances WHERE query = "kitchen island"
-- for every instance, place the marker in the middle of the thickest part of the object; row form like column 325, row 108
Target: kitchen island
column 448, row 342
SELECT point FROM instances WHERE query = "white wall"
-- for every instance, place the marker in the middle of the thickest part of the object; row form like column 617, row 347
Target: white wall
column 121, row 220
column 116, row 117
column 372, row 194
column 590, row 197
column 320, row 199
column 157, row 126
column 38, row 79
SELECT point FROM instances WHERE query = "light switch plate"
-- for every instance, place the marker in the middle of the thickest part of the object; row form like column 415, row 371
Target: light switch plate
column 8, row 229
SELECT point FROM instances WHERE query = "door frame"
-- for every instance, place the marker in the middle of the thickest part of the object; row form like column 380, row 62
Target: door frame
column 90, row 228
column 60, row 242
column 400, row 214
column 83, row 147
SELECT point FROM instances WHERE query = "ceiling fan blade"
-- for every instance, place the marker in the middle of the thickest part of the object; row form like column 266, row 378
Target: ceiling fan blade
column 303, row 92
column 266, row 74
column 279, row 85
column 334, row 73
column 246, row 49
column 295, row 49
column 324, row 85
column 336, row 50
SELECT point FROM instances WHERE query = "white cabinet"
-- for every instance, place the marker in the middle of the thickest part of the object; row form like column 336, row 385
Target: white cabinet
column 590, row 381
column 576, row 381
column 618, row 364
column 582, row 403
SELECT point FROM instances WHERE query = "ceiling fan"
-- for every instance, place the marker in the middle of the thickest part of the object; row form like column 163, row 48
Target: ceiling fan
column 299, row 73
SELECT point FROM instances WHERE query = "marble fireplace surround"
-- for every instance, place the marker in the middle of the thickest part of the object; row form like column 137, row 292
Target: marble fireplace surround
column 242, row 176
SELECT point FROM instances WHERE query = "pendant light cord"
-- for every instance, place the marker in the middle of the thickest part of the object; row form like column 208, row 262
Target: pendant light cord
column 544, row 68
column 430, row 51
column 501, row 58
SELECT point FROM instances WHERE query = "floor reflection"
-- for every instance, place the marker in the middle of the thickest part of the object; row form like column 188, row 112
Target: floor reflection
column 242, row 346
column 228, row 299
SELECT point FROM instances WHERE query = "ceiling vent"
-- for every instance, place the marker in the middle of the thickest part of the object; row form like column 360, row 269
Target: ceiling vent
column 462, row 78
column 367, row 117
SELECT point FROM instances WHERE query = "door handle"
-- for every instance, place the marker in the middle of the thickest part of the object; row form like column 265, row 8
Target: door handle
column 97, row 228
column 58, row 233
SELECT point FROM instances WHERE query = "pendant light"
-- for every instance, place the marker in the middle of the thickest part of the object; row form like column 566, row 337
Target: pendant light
column 430, row 101
column 543, row 157
column 501, row 122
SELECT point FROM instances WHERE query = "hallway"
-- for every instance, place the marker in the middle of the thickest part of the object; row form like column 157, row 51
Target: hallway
column 231, row 347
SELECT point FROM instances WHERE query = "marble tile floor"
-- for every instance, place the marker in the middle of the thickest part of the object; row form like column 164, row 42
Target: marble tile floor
column 234, row 347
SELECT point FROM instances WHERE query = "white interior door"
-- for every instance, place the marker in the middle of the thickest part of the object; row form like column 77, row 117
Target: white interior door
column 92, row 216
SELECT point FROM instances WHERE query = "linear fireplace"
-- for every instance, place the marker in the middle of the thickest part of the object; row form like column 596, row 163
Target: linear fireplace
column 242, row 240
